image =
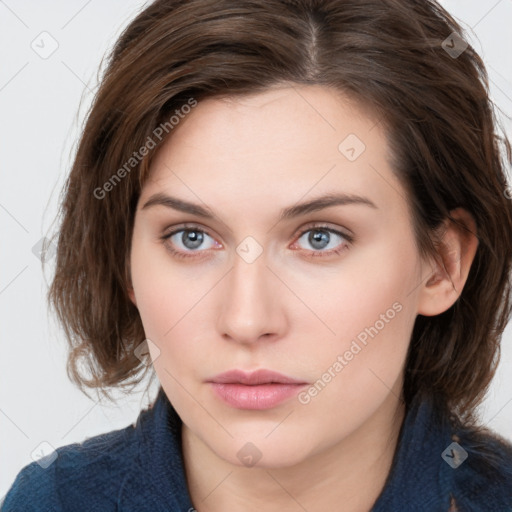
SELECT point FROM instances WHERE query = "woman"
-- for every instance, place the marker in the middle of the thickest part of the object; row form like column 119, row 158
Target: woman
column 296, row 213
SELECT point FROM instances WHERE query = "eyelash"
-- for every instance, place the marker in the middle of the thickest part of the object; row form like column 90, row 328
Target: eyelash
column 349, row 239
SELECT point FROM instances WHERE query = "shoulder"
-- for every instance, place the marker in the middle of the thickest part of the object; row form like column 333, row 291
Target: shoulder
column 483, row 472
column 93, row 470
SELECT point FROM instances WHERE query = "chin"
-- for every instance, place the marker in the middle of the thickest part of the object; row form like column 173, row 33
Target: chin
column 262, row 453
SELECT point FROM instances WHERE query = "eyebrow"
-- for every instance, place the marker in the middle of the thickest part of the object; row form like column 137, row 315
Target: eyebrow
column 314, row 205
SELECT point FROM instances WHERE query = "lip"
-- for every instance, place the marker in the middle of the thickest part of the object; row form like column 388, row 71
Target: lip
column 261, row 389
column 262, row 376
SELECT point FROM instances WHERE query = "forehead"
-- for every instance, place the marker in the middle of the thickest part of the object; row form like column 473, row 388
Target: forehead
column 299, row 119
column 288, row 141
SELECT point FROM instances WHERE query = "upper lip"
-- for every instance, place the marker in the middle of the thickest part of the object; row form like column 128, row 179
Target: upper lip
column 262, row 376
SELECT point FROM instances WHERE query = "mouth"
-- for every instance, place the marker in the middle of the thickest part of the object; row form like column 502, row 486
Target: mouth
column 262, row 389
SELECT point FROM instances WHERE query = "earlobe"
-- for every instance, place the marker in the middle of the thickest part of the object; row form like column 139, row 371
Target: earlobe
column 128, row 278
column 131, row 294
column 449, row 273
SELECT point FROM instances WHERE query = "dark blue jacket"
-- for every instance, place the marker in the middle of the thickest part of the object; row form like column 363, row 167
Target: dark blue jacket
column 140, row 468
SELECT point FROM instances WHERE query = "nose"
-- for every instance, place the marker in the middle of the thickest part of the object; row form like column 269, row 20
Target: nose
column 252, row 305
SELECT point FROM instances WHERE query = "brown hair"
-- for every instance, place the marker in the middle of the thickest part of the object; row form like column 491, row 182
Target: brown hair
column 389, row 55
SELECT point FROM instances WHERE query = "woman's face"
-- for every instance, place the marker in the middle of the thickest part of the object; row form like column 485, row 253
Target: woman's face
column 325, row 294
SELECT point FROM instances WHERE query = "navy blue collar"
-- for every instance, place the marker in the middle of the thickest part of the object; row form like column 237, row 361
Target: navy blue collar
column 442, row 466
column 424, row 475
column 158, row 482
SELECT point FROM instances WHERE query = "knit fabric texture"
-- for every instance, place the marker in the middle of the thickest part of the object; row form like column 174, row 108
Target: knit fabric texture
column 140, row 469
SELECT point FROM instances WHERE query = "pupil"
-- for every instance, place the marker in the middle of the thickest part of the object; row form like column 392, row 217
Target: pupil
column 194, row 237
column 316, row 237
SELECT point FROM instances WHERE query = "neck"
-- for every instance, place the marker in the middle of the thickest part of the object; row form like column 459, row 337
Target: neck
column 350, row 474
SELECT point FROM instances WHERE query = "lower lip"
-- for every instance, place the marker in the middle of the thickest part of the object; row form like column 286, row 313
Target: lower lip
column 262, row 396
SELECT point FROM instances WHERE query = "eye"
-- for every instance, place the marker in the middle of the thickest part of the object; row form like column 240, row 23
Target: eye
column 324, row 240
column 192, row 241
column 186, row 241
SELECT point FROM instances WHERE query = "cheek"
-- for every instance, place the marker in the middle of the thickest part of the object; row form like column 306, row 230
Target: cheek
column 370, row 312
column 368, row 282
column 157, row 289
column 169, row 300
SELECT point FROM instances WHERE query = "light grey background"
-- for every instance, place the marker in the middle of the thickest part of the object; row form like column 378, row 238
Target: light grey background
column 40, row 119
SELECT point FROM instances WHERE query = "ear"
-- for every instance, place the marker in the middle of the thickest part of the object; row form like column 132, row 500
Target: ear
column 447, row 276
column 128, row 277
column 131, row 294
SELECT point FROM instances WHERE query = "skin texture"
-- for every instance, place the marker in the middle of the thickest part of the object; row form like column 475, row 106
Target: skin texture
column 246, row 160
